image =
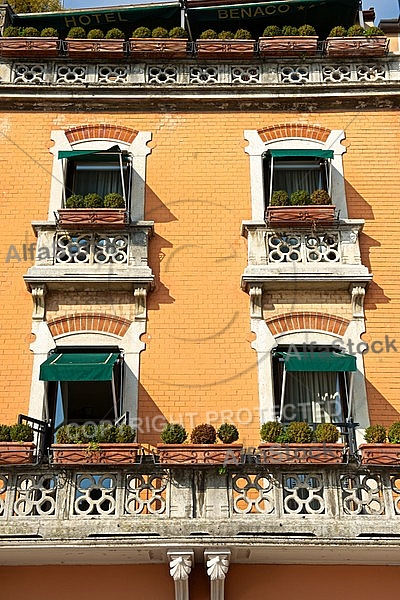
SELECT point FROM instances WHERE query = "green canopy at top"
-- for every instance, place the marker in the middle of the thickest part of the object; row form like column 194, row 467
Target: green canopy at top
column 90, row 155
column 300, row 153
column 332, row 362
column 71, row 366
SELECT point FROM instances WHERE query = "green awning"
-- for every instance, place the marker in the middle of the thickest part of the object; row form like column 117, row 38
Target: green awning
column 300, row 153
column 332, row 362
column 68, row 366
column 93, row 155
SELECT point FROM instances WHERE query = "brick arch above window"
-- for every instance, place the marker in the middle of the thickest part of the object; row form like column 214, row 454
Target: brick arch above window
column 100, row 131
column 294, row 130
column 89, row 322
column 307, row 321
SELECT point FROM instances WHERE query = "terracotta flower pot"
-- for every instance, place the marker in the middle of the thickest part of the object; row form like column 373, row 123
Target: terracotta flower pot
column 357, row 46
column 92, row 217
column 30, row 47
column 70, row 454
column 284, row 45
column 225, row 48
column 158, row 47
column 380, row 454
column 94, row 48
column 198, row 454
column 16, row 453
column 313, row 453
column 301, row 215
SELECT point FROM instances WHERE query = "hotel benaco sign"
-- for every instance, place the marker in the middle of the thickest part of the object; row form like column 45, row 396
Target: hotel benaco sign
column 168, row 14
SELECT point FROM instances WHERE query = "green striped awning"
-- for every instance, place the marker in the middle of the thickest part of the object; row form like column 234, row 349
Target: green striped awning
column 73, row 366
column 300, row 153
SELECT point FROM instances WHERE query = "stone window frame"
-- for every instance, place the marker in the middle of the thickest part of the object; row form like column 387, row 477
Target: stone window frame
column 137, row 149
column 257, row 146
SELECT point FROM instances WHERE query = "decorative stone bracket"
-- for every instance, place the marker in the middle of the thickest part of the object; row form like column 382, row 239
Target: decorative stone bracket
column 217, row 562
column 255, row 302
column 39, row 303
column 180, row 566
column 140, row 297
column 357, row 300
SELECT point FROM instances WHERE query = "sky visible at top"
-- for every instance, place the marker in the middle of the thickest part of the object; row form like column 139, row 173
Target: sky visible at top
column 384, row 9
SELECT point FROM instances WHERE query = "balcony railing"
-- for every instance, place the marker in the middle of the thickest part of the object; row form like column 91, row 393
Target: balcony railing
column 311, row 252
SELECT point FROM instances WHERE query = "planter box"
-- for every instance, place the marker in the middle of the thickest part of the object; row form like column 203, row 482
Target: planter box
column 95, row 48
column 92, row 217
column 70, row 454
column 288, row 45
column 158, row 48
column 300, row 453
column 30, row 47
column 380, row 454
column 357, row 46
column 225, row 49
column 16, row 453
column 199, row 454
column 301, row 215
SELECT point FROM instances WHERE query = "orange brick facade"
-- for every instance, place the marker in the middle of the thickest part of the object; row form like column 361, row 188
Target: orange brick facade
column 198, row 363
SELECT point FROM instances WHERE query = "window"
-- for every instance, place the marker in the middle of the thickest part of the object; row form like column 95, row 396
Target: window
column 293, row 170
column 311, row 385
column 97, row 171
column 83, row 385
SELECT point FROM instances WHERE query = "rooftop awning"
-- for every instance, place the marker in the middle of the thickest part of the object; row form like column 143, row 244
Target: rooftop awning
column 68, row 366
column 300, row 153
column 332, row 362
column 93, row 155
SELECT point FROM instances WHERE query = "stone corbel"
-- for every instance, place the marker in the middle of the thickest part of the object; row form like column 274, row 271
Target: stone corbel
column 217, row 562
column 39, row 304
column 180, row 566
column 255, row 293
column 357, row 300
column 140, row 296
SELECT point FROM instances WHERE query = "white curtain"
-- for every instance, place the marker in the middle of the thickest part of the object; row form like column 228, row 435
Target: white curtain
column 313, row 397
column 97, row 179
column 292, row 180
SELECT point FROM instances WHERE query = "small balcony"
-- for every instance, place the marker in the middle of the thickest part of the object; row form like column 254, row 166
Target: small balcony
column 69, row 256
column 329, row 255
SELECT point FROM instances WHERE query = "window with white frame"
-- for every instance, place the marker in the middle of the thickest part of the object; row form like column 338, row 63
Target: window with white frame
column 312, row 384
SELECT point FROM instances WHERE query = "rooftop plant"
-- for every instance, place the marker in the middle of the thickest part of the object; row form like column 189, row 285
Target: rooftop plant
column 95, row 34
column 227, row 433
column 178, row 32
column 338, row 31
column 173, row 433
column 115, row 34
column 49, row 32
column 93, row 201
column 114, row 200
column 21, row 432
column 307, row 30
column 203, row 434
column 4, row 433
column 12, row 31
column 355, row 31
column 104, row 433
column 272, row 31
column 76, row 33
column 30, row 32
column 141, row 32
column 209, row 34
column 243, row 34
column 75, row 201
column 373, row 32
column 159, row 32
column 290, row 30
column 226, row 35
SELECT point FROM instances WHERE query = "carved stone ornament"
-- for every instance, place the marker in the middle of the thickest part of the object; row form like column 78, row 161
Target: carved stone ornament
column 39, row 304
column 357, row 301
column 140, row 295
column 217, row 564
column 180, row 565
column 255, row 302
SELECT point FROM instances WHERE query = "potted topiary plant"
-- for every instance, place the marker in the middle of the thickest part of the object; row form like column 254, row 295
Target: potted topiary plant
column 92, row 211
column 95, row 444
column 158, row 43
column 357, row 41
column 226, row 44
column 17, row 43
column 290, row 41
column 294, row 443
column 382, row 446
column 110, row 45
column 16, row 444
